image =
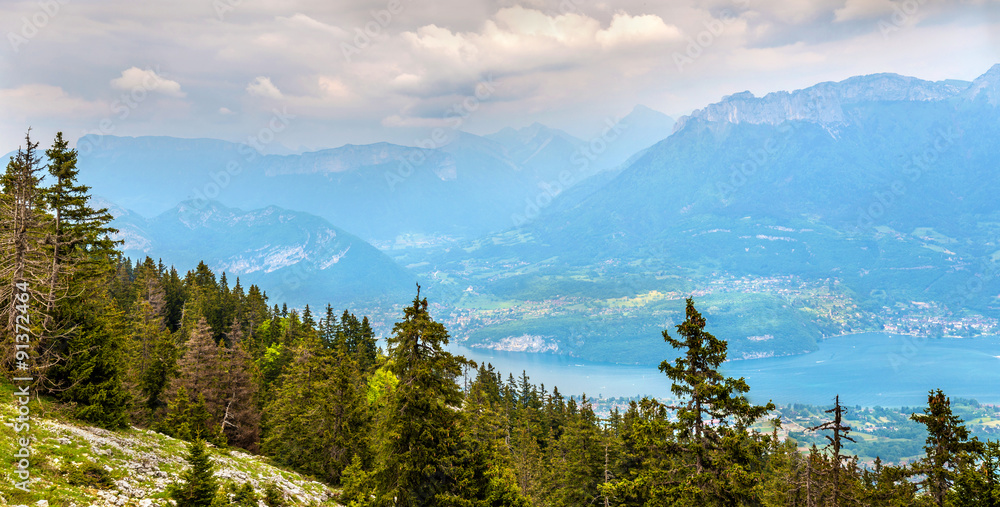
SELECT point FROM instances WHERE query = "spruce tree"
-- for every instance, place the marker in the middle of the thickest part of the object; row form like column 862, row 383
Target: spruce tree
column 240, row 417
column 200, row 373
column 321, row 389
column 198, row 487
column 82, row 259
column 418, row 437
column 713, row 420
column 81, row 240
column 947, row 446
column 95, row 370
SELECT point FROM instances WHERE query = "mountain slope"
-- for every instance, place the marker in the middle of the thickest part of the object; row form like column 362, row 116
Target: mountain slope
column 138, row 464
column 302, row 256
column 881, row 213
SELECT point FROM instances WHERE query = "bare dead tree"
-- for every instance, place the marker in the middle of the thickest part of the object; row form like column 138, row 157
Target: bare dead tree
column 839, row 432
column 24, row 266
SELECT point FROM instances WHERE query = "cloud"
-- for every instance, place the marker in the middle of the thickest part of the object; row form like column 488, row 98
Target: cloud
column 301, row 21
column 34, row 100
column 862, row 9
column 263, row 87
column 518, row 41
column 561, row 62
column 334, row 88
column 627, row 29
column 136, row 78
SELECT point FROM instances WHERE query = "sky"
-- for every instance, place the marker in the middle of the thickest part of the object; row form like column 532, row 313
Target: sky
column 312, row 74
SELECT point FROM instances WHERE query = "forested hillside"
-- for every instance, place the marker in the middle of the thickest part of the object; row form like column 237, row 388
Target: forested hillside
column 199, row 357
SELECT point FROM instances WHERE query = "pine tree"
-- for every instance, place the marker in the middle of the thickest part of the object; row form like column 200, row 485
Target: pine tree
column 419, row 429
column 241, row 417
column 722, row 459
column 200, row 373
column 323, row 391
column 947, row 446
column 96, row 370
column 198, row 487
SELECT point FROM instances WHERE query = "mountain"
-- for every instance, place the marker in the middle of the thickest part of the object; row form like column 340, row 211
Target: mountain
column 904, row 164
column 636, row 131
column 383, row 192
column 986, row 87
column 864, row 205
column 300, row 257
column 824, row 103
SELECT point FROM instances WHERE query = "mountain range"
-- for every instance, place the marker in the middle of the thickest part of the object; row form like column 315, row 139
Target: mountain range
column 385, row 193
column 861, row 205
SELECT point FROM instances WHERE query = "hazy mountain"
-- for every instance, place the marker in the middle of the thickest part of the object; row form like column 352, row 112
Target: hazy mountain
column 824, row 103
column 884, row 186
column 297, row 257
column 985, row 87
column 468, row 187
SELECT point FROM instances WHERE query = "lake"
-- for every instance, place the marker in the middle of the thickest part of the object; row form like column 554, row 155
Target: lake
column 864, row 369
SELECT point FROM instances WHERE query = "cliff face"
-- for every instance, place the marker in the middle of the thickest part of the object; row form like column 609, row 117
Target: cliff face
column 825, row 103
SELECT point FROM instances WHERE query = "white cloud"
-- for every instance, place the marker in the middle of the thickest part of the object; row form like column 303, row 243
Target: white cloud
column 518, row 41
column 334, row 88
column 559, row 67
column 626, row 29
column 136, row 78
column 263, row 87
column 301, row 21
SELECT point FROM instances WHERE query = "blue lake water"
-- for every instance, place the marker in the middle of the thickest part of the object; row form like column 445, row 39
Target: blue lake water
column 865, row 369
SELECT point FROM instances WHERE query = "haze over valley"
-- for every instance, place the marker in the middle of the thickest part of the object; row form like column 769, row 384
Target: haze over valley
column 856, row 206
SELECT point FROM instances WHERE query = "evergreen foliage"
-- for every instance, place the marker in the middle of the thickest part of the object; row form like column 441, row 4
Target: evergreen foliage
column 197, row 487
column 190, row 354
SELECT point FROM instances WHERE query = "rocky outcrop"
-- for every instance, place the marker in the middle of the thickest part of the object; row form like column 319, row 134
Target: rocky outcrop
column 144, row 463
column 823, row 103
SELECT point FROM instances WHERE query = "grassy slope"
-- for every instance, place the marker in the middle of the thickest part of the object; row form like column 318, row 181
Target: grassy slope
column 141, row 464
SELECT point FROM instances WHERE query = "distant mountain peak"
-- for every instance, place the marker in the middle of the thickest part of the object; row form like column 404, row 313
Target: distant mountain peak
column 986, row 85
column 648, row 114
column 639, row 108
column 823, row 103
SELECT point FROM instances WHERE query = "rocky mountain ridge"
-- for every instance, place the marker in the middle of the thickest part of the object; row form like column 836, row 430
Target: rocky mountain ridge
column 828, row 103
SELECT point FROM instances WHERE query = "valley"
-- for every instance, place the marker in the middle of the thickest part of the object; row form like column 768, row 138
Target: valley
column 837, row 209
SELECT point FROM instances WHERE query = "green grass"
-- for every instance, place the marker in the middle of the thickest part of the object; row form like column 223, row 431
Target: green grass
column 74, row 464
